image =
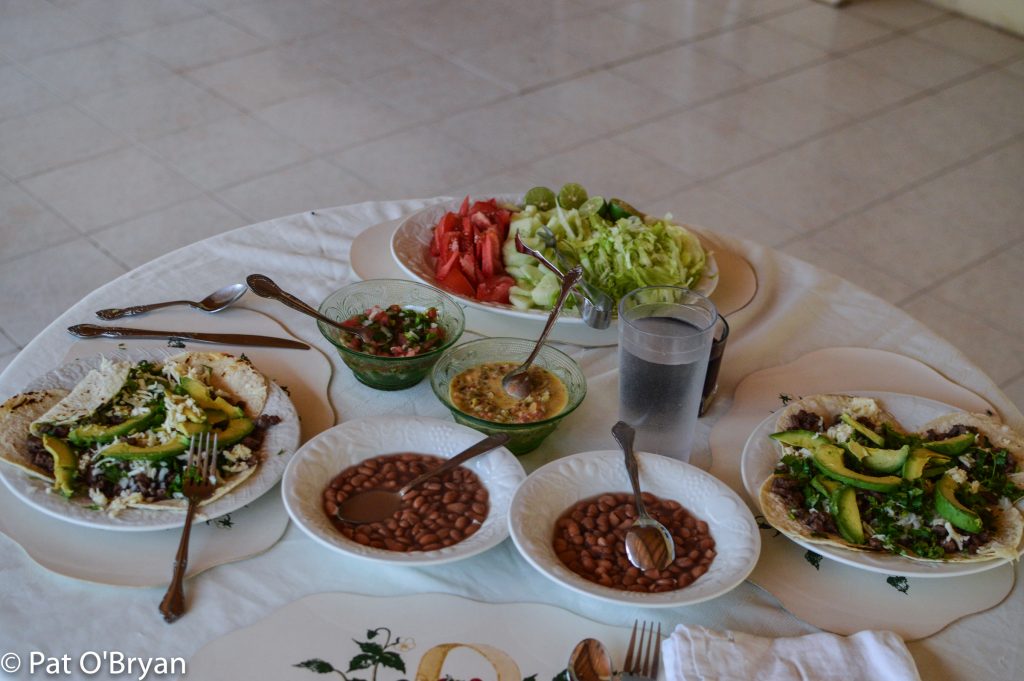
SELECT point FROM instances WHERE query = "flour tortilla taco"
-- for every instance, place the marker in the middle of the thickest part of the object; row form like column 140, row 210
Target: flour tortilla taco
column 126, row 446
column 16, row 417
column 945, row 494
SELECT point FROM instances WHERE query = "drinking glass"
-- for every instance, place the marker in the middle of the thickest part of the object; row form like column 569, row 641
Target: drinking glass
column 665, row 335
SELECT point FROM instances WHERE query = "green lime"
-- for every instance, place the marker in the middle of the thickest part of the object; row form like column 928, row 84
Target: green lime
column 542, row 197
column 592, row 206
column 571, row 196
column 620, row 209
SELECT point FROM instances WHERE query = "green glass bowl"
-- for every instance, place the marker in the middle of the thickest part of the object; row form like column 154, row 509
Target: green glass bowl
column 390, row 373
column 525, row 436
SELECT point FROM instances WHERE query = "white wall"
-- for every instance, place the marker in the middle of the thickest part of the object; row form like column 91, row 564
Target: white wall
column 1006, row 14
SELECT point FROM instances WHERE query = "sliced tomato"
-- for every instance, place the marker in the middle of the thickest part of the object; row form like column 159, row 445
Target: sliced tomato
column 495, row 289
column 445, row 265
column 456, row 282
column 467, row 248
column 490, row 256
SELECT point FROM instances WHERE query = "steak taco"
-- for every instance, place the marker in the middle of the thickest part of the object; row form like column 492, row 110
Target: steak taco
column 120, row 438
column 851, row 477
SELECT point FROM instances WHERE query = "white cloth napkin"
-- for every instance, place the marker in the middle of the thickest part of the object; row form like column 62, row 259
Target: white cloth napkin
column 700, row 654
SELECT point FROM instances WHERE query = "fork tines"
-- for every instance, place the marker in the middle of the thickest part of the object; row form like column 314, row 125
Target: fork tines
column 646, row 651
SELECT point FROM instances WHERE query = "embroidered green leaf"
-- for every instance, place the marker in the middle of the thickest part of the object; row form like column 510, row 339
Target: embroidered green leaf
column 392, row 661
column 899, row 583
column 562, row 675
column 785, row 398
column 814, row 559
column 316, row 665
column 371, row 633
column 363, row 661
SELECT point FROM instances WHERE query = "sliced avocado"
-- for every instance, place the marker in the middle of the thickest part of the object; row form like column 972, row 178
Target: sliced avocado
column 895, row 439
column 215, row 416
column 913, row 467
column 65, row 464
column 191, row 428
column 880, row 460
column 204, row 397
column 801, row 438
column 95, row 433
column 848, row 515
column 862, row 429
column 856, row 449
column 829, row 460
column 827, row 486
column 951, row 509
column 123, row 450
column 236, row 430
column 954, row 446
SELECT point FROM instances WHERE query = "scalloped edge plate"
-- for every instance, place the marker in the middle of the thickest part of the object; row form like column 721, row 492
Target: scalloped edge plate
column 760, row 455
column 556, row 486
column 278, row 447
column 325, row 456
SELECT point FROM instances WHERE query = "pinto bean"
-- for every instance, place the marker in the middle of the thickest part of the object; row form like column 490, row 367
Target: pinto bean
column 589, row 538
column 439, row 513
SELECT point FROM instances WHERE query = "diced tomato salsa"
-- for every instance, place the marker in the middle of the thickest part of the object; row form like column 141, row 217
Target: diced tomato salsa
column 467, row 245
column 397, row 331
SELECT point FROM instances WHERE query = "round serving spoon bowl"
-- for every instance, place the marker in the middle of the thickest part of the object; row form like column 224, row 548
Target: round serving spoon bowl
column 649, row 544
column 517, row 382
column 376, row 505
column 215, row 302
column 264, row 286
column 590, row 661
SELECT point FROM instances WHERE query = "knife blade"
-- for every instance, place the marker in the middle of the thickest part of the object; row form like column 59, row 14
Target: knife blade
column 98, row 331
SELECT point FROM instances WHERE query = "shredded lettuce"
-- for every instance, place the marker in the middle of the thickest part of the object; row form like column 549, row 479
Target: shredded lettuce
column 617, row 255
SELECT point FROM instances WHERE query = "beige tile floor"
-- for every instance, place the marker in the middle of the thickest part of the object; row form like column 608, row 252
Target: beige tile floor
column 884, row 141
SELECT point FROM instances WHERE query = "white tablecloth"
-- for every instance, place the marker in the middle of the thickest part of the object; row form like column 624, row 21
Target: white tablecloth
column 798, row 309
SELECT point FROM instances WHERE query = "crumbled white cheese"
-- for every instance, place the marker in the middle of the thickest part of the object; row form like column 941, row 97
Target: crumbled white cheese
column 959, row 475
column 955, row 536
column 967, row 460
column 840, row 432
column 98, row 497
column 238, row 453
column 975, row 486
column 911, row 520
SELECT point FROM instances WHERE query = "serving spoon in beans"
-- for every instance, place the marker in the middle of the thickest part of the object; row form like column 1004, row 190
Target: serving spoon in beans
column 649, row 544
column 376, row 505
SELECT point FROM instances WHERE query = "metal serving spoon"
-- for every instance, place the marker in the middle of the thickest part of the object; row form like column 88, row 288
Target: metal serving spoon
column 517, row 383
column 215, row 302
column 590, row 661
column 376, row 505
column 264, row 286
column 649, row 544
column 597, row 305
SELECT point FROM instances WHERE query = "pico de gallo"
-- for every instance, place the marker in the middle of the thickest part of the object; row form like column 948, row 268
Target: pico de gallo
column 397, row 331
column 467, row 245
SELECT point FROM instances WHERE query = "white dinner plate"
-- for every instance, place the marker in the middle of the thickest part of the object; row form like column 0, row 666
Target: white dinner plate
column 279, row 445
column 760, row 456
column 410, row 247
column 321, row 459
column 550, row 490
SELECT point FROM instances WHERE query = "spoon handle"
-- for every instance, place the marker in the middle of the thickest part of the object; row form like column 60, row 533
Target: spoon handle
column 118, row 312
column 570, row 279
column 624, row 435
column 482, row 447
column 264, row 286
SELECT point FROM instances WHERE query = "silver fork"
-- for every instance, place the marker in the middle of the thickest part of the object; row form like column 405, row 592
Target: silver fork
column 643, row 655
column 198, row 484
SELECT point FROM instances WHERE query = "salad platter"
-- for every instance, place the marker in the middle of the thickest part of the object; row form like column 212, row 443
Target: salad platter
column 726, row 277
column 411, row 249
